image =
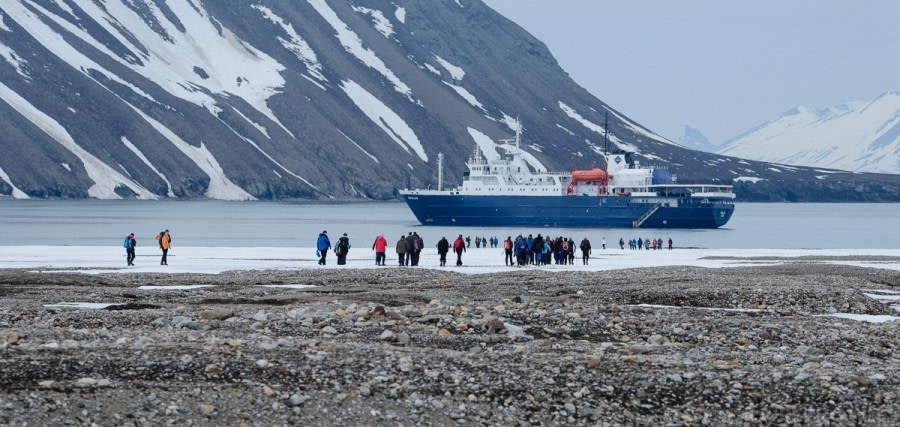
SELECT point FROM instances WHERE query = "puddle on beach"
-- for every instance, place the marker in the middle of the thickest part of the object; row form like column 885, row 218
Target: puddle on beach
column 734, row 310
column 870, row 318
column 296, row 286
column 88, row 305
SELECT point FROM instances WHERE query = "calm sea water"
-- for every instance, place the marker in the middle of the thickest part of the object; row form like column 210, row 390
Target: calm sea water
column 244, row 224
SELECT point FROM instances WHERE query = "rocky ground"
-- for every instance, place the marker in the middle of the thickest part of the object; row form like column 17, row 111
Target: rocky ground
column 414, row 346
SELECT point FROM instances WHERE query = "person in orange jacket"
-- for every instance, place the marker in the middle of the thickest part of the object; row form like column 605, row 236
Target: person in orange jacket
column 165, row 242
column 379, row 247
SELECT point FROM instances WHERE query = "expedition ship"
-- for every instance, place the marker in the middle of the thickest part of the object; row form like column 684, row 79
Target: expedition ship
column 505, row 192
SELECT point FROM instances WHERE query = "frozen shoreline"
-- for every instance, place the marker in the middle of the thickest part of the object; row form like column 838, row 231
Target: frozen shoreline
column 215, row 260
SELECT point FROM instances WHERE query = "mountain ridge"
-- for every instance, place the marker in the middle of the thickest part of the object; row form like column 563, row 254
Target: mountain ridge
column 862, row 136
column 312, row 99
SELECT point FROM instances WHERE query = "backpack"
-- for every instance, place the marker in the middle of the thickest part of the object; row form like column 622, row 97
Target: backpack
column 160, row 237
column 127, row 242
column 566, row 247
column 507, row 245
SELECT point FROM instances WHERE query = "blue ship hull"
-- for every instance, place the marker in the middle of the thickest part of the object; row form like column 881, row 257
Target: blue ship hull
column 564, row 211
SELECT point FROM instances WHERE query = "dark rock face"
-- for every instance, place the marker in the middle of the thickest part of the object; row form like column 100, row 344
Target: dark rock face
column 309, row 100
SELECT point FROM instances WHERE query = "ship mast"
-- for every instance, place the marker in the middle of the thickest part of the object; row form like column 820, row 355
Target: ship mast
column 606, row 134
column 440, row 159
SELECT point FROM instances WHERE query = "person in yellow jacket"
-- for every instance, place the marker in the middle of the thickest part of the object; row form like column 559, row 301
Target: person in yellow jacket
column 165, row 242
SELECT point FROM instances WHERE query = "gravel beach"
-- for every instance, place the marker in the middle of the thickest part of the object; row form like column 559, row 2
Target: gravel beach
column 412, row 346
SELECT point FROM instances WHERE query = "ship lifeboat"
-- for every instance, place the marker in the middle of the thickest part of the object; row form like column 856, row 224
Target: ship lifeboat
column 598, row 175
column 590, row 175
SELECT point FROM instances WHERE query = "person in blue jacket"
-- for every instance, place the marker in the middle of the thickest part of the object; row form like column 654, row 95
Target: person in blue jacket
column 322, row 246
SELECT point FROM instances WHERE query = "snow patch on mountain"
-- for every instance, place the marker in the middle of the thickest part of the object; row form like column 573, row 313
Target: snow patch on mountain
column 640, row 130
column 46, row 36
column 105, row 178
column 528, row 157
column 360, row 148
column 231, row 66
column 296, row 44
column 385, row 118
column 16, row 193
column 456, row 73
column 858, row 136
column 220, row 187
column 752, row 179
column 262, row 129
column 465, row 94
column 511, row 122
column 266, row 155
column 354, row 45
column 147, row 162
column 485, row 144
column 381, row 23
column 622, row 145
column 432, row 69
column 3, row 25
column 565, row 129
column 18, row 63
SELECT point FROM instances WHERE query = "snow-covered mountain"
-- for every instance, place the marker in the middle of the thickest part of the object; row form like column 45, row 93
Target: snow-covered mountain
column 312, row 99
column 858, row 136
column 696, row 140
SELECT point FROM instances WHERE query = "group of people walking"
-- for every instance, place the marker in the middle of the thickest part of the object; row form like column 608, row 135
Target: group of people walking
column 522, row 251
column 644, row 244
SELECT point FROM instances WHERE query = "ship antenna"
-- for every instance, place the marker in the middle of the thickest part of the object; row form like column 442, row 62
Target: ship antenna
column 606, row 134
column 440, row 171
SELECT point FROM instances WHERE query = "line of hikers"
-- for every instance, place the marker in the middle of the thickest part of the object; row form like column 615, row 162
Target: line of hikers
column 644, row 244
column 521, row 251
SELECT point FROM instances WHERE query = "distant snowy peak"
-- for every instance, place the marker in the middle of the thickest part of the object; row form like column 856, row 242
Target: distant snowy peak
column 696, row 140
column 858, row 136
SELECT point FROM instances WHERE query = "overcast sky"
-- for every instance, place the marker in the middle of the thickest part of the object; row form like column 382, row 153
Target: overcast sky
column 722, row 67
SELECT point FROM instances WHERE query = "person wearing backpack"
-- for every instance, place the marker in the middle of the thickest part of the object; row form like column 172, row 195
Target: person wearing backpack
column 443, row 247
column 129, row 244
column 165, row 242
column 459, row 246
column 585, row 250
column 508, row 251
column 323, row 244
column 342, row 248
column 418, row 243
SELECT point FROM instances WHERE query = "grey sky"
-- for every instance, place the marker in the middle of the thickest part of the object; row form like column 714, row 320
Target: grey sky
column 722, row 67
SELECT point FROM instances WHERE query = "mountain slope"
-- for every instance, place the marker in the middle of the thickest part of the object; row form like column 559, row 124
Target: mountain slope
column 314, row 99
column 859, row 136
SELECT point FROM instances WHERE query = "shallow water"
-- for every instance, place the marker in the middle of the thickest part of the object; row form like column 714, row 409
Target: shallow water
column 287, row 224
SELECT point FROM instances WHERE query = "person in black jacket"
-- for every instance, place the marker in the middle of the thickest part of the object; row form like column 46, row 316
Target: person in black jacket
column 537, row 247
column 342, row 248
column 585, row 250
column 443, row 247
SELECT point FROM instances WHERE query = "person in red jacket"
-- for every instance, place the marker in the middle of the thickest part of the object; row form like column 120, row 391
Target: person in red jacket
column 379, row 247
column 459, row 246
